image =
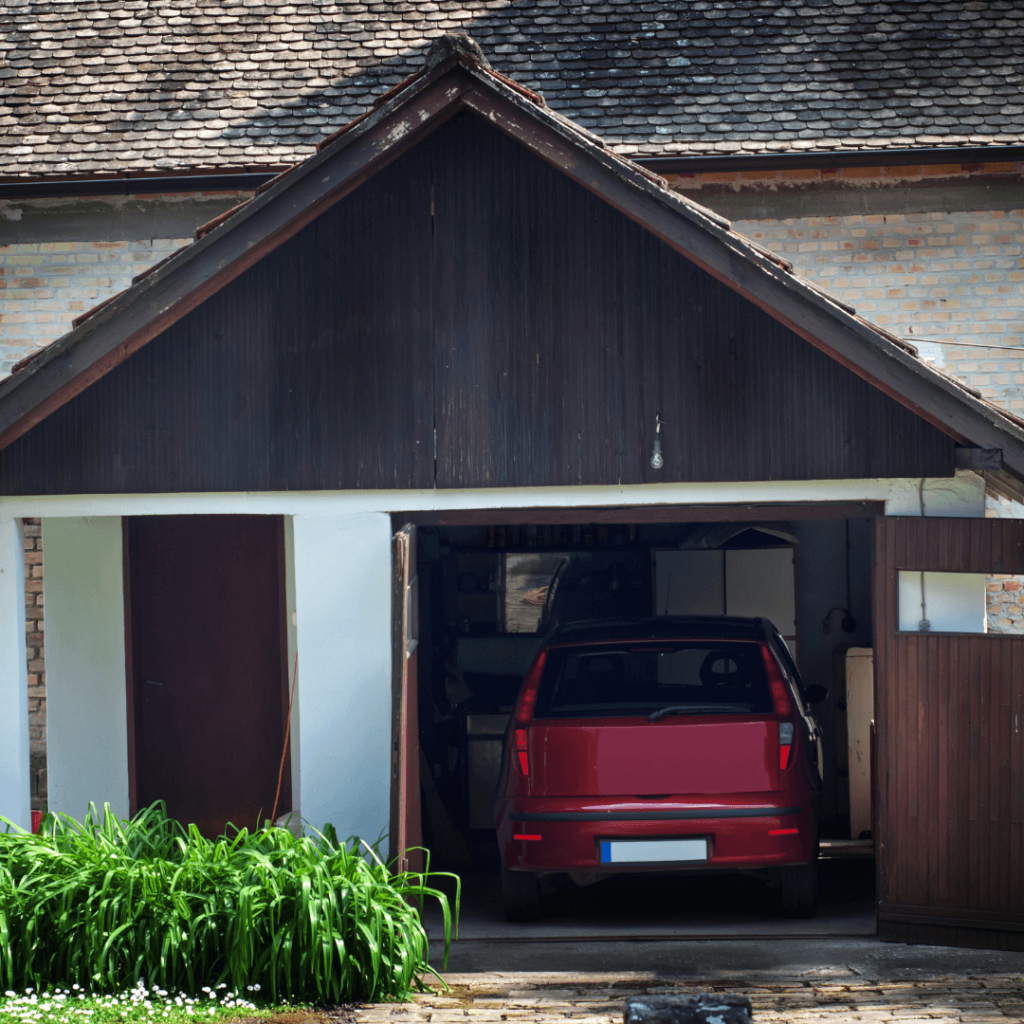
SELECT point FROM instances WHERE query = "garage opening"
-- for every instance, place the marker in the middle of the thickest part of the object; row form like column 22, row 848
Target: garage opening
column 487, row 592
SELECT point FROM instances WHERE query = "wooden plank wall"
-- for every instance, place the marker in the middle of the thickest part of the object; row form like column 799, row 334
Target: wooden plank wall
column 472, row 288
column 950, row 761
column 564, row 328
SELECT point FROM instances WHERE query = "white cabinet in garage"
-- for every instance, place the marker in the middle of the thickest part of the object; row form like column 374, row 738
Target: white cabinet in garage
column 762, row 582
column 744, row 581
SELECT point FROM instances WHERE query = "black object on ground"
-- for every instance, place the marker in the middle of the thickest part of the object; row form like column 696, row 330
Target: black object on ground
column 707, row 1008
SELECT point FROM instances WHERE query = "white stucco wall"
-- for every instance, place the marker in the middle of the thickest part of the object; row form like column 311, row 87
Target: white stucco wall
column 86, row 723
column 15, row 796
column 343, row 614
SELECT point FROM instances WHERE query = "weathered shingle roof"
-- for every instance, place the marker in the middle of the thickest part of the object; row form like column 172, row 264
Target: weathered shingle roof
column 92, row 86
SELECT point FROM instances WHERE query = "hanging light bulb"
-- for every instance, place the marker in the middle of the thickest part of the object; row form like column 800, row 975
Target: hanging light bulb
column 657, row 459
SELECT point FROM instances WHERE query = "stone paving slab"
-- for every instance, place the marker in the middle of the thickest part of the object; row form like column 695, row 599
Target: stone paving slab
column 598, row 998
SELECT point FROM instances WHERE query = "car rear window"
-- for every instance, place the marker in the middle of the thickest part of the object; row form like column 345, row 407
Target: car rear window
column 691, row 677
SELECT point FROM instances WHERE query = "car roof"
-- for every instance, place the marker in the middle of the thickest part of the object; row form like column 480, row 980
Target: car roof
column 661, row 627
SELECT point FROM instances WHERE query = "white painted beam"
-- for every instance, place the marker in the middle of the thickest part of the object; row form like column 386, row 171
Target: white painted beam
column 342, row 576
column 86, row 689
column 15, row 789
column 962, row 495
column 334, row 503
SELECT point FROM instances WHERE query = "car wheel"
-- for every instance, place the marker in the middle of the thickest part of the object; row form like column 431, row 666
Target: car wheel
column 520, row 895
column 800, row 890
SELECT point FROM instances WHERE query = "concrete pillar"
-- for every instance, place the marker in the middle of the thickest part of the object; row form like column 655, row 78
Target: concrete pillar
column 15, row 786
column 342, row 579
column 86, row 688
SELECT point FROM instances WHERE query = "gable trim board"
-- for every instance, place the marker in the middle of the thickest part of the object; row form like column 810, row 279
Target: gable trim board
column 237, row 240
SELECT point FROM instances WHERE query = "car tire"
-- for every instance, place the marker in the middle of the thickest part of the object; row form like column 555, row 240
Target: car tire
column 799, row 887
column 520, row 895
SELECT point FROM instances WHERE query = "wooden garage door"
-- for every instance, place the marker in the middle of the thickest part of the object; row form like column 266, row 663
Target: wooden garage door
column 948, row 747
column 207, row 666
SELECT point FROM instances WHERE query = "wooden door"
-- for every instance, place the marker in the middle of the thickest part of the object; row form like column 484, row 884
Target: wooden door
column 948, row 746
column 207, row 665
column 406, row 831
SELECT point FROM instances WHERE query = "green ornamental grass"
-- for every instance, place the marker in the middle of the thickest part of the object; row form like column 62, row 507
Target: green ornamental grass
column 104, row 903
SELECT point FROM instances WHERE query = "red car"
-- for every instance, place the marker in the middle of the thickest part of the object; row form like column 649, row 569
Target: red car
column 662, row 744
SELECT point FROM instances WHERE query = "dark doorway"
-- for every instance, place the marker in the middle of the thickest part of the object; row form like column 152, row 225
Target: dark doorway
column 207, row 667
column 491, row 584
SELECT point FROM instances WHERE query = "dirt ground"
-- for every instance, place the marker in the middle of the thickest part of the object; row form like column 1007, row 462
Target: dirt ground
column 326, row 1015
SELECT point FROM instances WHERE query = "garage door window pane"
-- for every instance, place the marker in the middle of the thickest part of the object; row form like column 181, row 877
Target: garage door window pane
column 530, row 581
column 942, row 602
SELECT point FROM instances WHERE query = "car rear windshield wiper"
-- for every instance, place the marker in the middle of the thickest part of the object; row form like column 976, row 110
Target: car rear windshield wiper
column 698, row 709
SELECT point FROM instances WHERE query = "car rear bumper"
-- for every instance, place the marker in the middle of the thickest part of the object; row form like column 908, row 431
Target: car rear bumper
column 748, row 831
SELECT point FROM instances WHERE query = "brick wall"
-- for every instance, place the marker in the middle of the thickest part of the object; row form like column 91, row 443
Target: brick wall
column 951, row 281
column 36, row 659
column 45, row 285
column 1003, row 600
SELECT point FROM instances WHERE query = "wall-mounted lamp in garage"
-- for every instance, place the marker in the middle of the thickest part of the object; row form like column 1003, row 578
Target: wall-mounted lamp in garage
column 657, row 460
column 848, row 622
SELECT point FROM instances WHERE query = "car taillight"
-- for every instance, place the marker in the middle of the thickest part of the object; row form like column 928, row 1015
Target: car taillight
column 521, row 746
column 785, row 743
column 777, row 684
column 783, row 706
column 523, row 715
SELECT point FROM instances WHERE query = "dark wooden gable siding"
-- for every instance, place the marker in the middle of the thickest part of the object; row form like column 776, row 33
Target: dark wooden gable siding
column 471, row 287
column 312, row 370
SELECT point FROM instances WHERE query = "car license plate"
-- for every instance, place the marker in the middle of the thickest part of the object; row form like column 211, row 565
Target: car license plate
column 653, row 851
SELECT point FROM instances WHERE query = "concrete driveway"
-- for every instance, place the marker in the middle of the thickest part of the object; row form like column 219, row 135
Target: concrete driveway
column 669, row 907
